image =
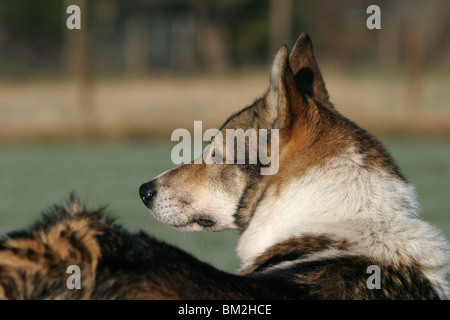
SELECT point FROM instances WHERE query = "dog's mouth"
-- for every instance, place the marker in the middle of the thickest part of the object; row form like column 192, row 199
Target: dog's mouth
column 187, row 220
column 202, row 222
column 207, row 223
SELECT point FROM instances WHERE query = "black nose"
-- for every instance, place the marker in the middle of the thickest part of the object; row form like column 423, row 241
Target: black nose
column 147, row 192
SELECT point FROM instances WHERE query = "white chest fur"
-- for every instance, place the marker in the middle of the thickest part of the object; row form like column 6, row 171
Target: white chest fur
column 373, row 210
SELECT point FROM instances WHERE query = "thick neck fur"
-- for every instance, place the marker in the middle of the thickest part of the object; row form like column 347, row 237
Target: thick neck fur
column 374, row 211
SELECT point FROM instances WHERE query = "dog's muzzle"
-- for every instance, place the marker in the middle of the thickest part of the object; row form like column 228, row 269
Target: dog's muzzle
column 147, row 192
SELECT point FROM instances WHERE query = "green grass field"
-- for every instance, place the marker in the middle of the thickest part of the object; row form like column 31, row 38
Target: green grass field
column 35, row 177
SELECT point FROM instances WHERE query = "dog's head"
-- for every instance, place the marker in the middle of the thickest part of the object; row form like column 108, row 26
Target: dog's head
column 216, row 196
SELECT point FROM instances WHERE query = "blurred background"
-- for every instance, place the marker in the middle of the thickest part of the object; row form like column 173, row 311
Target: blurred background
column 92, row 110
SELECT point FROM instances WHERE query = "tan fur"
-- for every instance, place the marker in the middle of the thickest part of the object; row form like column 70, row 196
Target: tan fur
column 53, row 250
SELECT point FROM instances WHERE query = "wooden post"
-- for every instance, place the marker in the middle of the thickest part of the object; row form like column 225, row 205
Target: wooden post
column 79, row 63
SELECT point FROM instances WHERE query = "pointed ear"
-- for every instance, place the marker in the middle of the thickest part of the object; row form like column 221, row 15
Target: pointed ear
column 308, row 78
column 278, row 69
column 277, row 111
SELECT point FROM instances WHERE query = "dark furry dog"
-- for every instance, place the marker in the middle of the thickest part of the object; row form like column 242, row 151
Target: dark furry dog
column 115, row 264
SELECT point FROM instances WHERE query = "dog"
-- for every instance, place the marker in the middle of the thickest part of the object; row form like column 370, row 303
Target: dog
column 337, row 216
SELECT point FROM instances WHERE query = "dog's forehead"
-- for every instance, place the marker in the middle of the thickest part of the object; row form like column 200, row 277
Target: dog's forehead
column 240, row 120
